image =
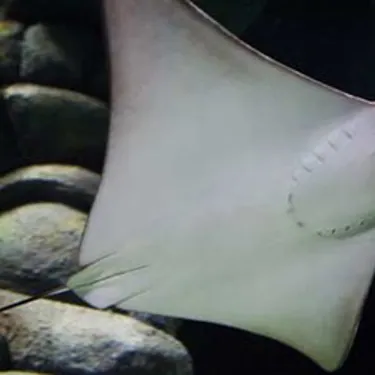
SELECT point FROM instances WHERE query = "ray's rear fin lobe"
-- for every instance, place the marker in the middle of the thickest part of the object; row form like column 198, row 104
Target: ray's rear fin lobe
column 90, row 284
column 108, row 282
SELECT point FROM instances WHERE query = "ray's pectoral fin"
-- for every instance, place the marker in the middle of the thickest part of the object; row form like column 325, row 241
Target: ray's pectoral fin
column 110, row 281
column 311, row 301
column 205, row 136
column 314, row 305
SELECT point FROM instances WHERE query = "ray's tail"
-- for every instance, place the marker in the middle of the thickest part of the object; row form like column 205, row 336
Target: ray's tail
column 94, row 284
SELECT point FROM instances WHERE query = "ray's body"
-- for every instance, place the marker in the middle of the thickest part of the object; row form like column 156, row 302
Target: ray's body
column 235, row 190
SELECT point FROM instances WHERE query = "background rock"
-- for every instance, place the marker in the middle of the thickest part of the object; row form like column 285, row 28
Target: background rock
column 39, row 246
column 5, row 356
column 69, row 185
column 48, row 336
column 10, row 157
column 63, row 47
column 56, row 125
column 57, row 55
column 10, row 51
column 10, row 47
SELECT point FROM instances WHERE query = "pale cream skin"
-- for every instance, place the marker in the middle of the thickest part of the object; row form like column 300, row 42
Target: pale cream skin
column 229, row 187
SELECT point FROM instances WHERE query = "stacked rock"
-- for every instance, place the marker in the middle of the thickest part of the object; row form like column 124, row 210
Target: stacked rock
column 53, row 133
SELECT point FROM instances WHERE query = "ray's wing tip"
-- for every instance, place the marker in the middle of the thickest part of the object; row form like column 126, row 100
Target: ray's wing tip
column 84, row 287
column 331, row 359
column 105, row 282
column 330, row 364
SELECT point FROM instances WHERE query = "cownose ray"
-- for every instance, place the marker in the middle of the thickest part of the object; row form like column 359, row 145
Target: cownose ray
column 235, row 190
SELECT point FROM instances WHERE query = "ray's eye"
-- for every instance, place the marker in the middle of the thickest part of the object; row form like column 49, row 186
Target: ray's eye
column 334, row 195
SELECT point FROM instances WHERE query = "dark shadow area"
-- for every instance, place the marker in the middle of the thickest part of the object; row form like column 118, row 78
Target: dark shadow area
column 331, row 41
column 219, row 350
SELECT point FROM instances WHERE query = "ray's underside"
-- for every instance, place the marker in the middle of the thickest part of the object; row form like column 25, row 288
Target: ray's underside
column 239, row 190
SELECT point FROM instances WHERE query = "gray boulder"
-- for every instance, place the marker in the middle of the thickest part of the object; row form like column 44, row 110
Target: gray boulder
column 57, row 126
column 53, row 337
column 57, row 55
column 10, row 47
column 5, row 356
column 70, row 185
column 39, row 245
column 10, row 50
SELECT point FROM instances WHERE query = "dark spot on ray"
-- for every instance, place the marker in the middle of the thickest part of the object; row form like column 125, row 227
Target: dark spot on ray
column 347, row 228
column 319, row 157
column 290, row 210
column 332, row 145
column 350, row 136
column 290, row 198
column 333, row 231
column 306, row 168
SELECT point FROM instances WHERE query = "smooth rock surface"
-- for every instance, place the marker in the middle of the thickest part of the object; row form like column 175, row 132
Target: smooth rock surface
column 10, row 157
column 57, row 126
column 69, row 185
column 10, row 51
column 57, row 55
column 39, row 246
column 5, row 356
column 53, row 337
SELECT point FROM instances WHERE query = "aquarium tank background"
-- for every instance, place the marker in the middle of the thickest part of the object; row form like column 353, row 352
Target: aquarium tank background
column 54, row 122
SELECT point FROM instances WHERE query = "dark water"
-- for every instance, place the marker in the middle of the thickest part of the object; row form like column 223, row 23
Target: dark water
column 331, row 40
